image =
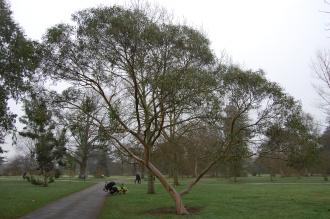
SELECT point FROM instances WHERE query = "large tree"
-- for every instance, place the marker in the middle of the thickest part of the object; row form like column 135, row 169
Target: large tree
column 18, row 60
column 131, row 60
column 137, row 62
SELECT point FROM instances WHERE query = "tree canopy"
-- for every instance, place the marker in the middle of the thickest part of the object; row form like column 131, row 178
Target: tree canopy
column 18, row 60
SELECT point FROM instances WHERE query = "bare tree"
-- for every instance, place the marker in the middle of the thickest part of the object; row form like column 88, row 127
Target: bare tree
column 76, row 111
column 322, row 71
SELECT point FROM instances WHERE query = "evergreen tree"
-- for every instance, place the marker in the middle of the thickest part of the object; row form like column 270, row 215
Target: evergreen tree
column 40, row 127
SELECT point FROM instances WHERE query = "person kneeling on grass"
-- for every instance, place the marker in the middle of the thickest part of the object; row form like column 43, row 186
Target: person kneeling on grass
column 113, row 189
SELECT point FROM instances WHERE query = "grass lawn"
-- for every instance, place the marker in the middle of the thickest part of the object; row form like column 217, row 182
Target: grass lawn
column 18, row 197
column 252, row 197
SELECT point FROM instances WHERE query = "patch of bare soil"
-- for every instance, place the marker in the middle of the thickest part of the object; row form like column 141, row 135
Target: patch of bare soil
column 160, row 211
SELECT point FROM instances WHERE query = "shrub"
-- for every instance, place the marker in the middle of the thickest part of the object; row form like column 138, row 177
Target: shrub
column 36, row 180
column 51, row 179
column 57, row 173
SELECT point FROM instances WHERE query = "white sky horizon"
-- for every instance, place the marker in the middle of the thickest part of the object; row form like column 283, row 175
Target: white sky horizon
column 281, row 37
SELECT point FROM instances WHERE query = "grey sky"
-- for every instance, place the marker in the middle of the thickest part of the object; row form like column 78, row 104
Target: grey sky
column 281, row 37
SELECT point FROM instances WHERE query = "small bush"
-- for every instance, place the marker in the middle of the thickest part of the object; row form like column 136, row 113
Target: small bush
column 26, row 177
column 51, row 179
column 36, row 181
column 57, row 173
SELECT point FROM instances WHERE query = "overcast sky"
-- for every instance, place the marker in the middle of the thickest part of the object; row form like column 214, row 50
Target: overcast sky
column 281, row 37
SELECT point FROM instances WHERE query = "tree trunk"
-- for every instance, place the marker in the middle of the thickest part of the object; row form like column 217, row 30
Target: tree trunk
column 190, row 185
column 72, row 170
column 175, row 171
column 45, row 179
column 175, row 177
column 153, row 171
column 196, row 169
column 135, row 169
column 170, row 172
column 82, row 169
column 122, row 166
column 151, row 183
column 180, row 208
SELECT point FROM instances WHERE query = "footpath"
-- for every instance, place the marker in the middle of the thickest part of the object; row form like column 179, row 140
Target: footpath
column 85, row 204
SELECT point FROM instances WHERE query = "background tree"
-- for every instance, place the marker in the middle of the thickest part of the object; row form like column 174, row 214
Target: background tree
column 322, row 71
column 293, row 144
column 304, row 143
column 325, row 153
column 26, row 147
column 260, row 102
column 2, row 159
column 39, row 126
column 84, row 133
column 17, row 165
column 237, row 153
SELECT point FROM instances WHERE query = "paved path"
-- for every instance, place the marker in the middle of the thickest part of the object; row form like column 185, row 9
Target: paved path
column 85, row 204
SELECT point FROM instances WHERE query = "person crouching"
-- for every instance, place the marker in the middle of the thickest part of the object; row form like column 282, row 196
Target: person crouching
column 111, row 188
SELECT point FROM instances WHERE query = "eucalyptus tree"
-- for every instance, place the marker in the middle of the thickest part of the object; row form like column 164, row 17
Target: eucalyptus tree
column 18, row 60
column 132, row 60
column 40, row 127
column 154, row 76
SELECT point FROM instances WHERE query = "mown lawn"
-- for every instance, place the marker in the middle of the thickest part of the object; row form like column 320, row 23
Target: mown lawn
column 18, row 197
column 252, row 197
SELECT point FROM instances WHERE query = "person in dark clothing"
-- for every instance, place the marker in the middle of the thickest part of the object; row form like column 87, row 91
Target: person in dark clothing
column 111, row 188
column 137, row 179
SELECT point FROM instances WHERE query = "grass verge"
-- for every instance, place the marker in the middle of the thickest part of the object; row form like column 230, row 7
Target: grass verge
column 18, row 197
column 250, row 198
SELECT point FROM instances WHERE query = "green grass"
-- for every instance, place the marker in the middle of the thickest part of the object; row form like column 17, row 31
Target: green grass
column 252, row 197
column 18, row 197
